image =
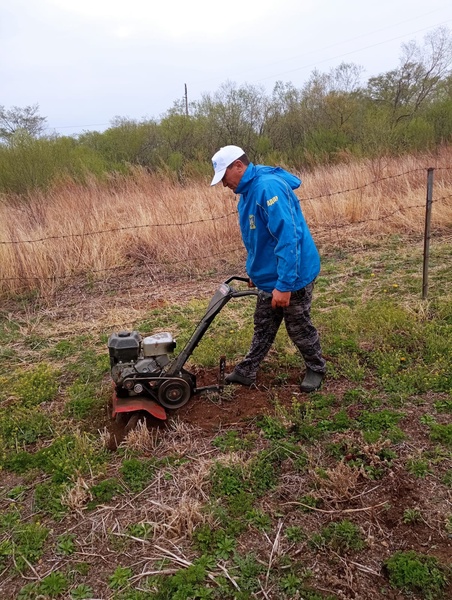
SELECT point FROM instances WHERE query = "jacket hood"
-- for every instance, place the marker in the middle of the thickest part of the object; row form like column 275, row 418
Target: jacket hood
column 254, row 171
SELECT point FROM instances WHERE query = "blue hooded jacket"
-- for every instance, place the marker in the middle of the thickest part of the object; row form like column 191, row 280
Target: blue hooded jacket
column 281, row 251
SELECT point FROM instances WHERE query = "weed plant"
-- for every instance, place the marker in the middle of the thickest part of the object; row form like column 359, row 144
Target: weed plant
column 343, row 537
column 30, row 387
column 66, row 544
column 48, row 499
column 120, row 578
column 232, row 440
column 137, row 474
column 27, row 544
column 103, row 492
column 418, row 467
column 81, row 592
column 442, row 434
column 82, row 400
column 417, row 573
column 411, row 516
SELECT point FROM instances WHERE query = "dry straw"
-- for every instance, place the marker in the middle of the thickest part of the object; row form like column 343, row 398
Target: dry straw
column 164, row 229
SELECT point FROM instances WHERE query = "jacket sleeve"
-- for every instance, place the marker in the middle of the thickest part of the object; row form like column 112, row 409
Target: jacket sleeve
column 279, row 212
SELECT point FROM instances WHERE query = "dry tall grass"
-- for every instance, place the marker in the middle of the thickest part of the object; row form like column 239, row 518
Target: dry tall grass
column 148, row 222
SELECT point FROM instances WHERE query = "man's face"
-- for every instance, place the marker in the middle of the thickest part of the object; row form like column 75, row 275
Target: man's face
column 233, row 175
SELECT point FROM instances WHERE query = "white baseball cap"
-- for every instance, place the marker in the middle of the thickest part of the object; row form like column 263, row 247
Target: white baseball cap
column 222, row 159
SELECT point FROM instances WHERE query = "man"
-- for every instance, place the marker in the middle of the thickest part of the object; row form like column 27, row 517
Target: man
column 282, row 262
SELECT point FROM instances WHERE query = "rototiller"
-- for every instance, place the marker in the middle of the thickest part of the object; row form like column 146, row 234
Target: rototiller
column 144, row 376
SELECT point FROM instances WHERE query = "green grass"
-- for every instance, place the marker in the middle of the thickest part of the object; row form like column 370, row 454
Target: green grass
column 32, row 386
column 263, row 497
column 20, row 425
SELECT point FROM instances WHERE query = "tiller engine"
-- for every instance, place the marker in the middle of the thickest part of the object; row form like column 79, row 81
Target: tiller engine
column 145, row 376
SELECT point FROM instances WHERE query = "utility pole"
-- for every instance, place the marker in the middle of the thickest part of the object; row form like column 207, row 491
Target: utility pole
column 186, row 101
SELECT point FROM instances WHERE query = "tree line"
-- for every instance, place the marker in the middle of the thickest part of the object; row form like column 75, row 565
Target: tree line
column 333, row 117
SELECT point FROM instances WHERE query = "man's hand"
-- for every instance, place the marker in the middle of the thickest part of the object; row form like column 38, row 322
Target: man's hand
column 280, row 299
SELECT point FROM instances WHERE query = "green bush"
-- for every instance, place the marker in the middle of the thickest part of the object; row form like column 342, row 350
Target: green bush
column 416, row 573
column 263, row 473
column 272, row 427
column 186, row 583
column 53, row 585
column 142, row 531
column 18, row 462
column 418, row 467
column 231, row 440
column 27, row 163
column 81, row 592
column 66, row 544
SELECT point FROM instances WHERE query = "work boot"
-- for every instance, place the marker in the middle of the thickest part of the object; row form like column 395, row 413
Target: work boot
column 312, row 381
column 235, row 377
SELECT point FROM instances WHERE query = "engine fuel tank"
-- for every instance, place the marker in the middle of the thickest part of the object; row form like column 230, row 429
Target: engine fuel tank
column 124, row 346
column 157, row 344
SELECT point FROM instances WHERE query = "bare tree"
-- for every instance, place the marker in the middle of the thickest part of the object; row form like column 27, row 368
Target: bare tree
column 18, row 119
column 418, row 78
column 236, row 115
column 330, row 100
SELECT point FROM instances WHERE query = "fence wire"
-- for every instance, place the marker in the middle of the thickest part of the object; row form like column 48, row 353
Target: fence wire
column 336, row 226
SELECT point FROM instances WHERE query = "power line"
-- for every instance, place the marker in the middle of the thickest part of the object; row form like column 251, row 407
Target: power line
column 314, row 64
column 353, row 39
column 353, row 51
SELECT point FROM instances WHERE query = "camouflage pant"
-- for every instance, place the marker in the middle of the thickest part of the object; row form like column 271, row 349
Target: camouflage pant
column 299, row 327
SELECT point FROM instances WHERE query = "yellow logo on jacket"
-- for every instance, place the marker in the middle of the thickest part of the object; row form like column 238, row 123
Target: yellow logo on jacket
column 272, row 200
column 252, row 222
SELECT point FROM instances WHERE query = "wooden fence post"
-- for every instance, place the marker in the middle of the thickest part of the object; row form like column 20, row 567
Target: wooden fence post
column 428, row 216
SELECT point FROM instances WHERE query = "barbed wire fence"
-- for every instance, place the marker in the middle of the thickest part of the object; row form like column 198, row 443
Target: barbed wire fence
column 427, row 206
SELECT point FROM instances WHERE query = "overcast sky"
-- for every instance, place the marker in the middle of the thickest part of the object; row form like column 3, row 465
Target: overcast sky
column 87, row 61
